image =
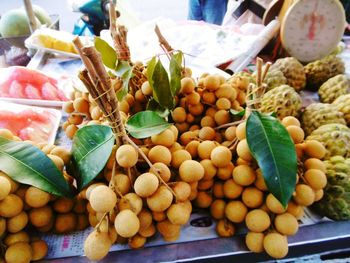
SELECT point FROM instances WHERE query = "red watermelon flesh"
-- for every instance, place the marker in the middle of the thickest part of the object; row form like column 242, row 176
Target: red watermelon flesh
column 32, row 92
column 16, row 90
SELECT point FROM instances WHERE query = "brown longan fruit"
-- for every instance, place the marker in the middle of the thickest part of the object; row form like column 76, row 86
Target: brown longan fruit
column 21, row 236
column 179, row 114
column 57, row 161
column 203, row 199
column 222, row 117
column 103, row 199
column 139, row 96
column 145, row 217
column 17, row 223
column 243, row 175
column 187, row 85
column 124, row 106
column 163, row 170
column 286, row 224
column 276, row 245
column 192, row 148
column 241, row 131
column 296, row 133
column 82, row 222
column 36, row 197
column 218, row 189
column 81, row 105
column 127, row 223
column 160, row 200
column 274, row 205
column 165, row 138
column 11, row 206
column 211, row 112
column 260, row 181
column 65, row 223
column 5, row 187
column 252, row 197
column 257, row 220
column 206, row 133
column 68, row 107
column 178, row 213
column 211, row 82
column 146, row 89
column 254, row 242
column 315, row 178
column 230, row 133
column 225, row 173
column 137, row 241
column 314, row 149
column 75, row 118
column 217, row 209
column 235, row 211
column 295, row 209
column 71, row 130
column 208, row 97
column 243, row 150
column 226, row 91
column 314, row 163
column 193, row 98
column 204, row 185
column 304, row 195
column 93, row 221
column 148, row 232
column 208, row 121
column 122, row 182
column 196, row 109
column 161, row 154
column 167, row 229
column 179, row 156
column 14, row 184
column 290, row 120
column 90, row 188
column 61, row 152
column 205, row 148
column 191, row 171
column 20, row 252
column 41, row 216
column 209, row 169
column 132, row 202
column 158, row 216
column 2, row 226
column 146, row 184
column 97, row 245
column 223, row 104
column 318, row 195
column 231, row 189
column 96, row 113
column 182, row 190
column 221, row 156
column 225, row 228
column 63, row 205
column 126, row 156
column 39, row 249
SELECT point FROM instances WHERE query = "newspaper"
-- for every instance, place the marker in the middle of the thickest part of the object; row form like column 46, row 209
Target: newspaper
column 200, row 227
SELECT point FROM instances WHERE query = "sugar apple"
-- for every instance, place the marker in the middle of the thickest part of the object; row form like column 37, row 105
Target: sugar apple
column 335, row 203
column 283, row 100
column 274, row 78
column 320, row 71
column 335, row 137
column 333, row 88
column 292, row 70
column 318, row 114
column 342, row 104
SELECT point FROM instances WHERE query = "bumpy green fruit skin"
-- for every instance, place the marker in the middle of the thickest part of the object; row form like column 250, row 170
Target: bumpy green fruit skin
column 274, row 79
column 334, row 137
column 335, row 203
column 283, row 100
column 333, row 88
column 342, row 103
column 318, row 114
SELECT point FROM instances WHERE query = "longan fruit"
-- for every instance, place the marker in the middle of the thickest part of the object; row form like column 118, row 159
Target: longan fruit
column 165, row 138
column 243, row 150
column 295, row 209
column 81, row 105
column 296, row 133
column 65, row 223
column 196, row 109
column 209, row 97
column 160, row 200
column 148, row 232
column 235, row 211
column 217, row 209
column 203, row 199
column 145, row 217
column 314, row 149
column 314, row 163
column 187, row 85
column 161, row 154
column 146, row 184
column 225, row 173
column 75, row 119
column 124, row 106
column 63, row 205
column 132, row 202
column 140, row 97
column 57, row 161
column 191, row 171
column 192, row 148
column 252, row 197
column 260, row 181
column 223, row 104
column 168, row 229
column 218, row 189
column 82, row 222
column 96, row 113
column 93, row 221
column 5, row 187
column 318, row 195
column 254, row 242
column 205, row 148
column 221, row 156
column 20, row 252
column 182, row 190
column 97, row 245
column 206, row 133
column 230, row 133
column 17, row 223
column 179, row 114
column 211, row 112
column 286, row 224
column 209, row 169
column 122, row 182
column 208, row 121
column 231, row 189
column 204, row 185
column 112, row 234
column 276, row 245
column 178, row 157
column 225, row 228
column 61, row 152
column 226, row 91
column 241, row 131
column 39, row 249
column 103, row 199
column 304, row 195
column 137, row 241
column 315, row 178
column 193, row 98
column 90, row 188
column 289, row 121
column 71, row 130
column 257, row 220
column 158, row 216
column 5, row 133
column 211, row 82
column 35, row 197
column 178, row 213
column 146, row 89
column 127, row 223
column 163, row 170
column 243, row 175
column 14, row 184
column 2, row 226
column 126, row 156
column 11, row 206
column 274, row 205
column 222, row 117
column 21, row 236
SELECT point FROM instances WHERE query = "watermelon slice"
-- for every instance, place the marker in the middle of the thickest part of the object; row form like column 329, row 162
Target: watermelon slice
column 32, row 92
column 16, row 90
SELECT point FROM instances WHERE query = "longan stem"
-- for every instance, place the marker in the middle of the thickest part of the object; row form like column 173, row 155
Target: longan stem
column 162, row 41
column 226, row 125
column 97, row 227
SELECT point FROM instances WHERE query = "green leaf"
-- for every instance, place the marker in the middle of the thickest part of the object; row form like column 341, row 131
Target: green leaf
column 27, row 164
column 92, row 146
column 274, row 150
column 150, row 69
column 145, row 124
column 175, row 73
column 124, row 71
column 237, row 113
column 153, row 105
column 108, row 54
column 161, row 87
